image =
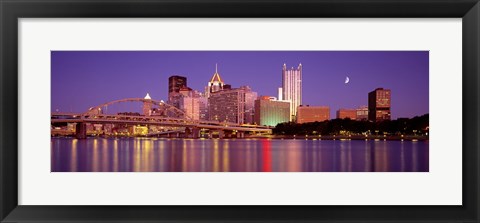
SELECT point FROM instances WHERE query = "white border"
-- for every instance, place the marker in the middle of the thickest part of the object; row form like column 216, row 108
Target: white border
column 442, row 186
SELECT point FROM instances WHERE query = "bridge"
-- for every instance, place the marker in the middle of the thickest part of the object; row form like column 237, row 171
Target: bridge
column 171, row 120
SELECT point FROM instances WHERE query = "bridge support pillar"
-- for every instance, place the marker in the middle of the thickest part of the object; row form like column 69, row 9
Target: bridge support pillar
column 221, row 134
column 81, row 131
column 195, row 133
column 240, row 135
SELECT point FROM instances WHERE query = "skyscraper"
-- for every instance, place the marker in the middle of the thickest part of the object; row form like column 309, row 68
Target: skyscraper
column 292, row 88
column 191, row 106
column 175, row 83
column 215, row 84
column 379, row 102
column 232, row 105
column 203, row 107
column 250, row 97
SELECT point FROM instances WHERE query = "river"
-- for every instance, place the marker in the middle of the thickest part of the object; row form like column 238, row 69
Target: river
column 236, row 155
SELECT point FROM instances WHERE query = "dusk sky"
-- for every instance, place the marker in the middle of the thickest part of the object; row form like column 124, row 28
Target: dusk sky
column 83, row 79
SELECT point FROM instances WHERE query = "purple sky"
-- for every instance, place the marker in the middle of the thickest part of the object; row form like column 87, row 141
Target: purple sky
column 82, row 79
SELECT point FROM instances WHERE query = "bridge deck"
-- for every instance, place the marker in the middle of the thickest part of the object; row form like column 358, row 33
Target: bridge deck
column 162, row 122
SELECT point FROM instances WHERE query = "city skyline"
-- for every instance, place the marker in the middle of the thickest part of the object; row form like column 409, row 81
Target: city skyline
column 82, row 79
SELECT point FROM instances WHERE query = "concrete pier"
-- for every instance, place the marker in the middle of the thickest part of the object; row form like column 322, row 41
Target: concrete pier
column 195, row 133
column 240, row 135
column 81, row 131
column 221, row 134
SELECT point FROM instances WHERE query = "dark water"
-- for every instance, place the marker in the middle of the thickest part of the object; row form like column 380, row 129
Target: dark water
column 236, row 155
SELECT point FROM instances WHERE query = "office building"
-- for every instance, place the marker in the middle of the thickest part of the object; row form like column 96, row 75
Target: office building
column 362, row 113
column 232, row 105
column 291, row 89
column 347, row 113
column 270, row 112
column 313, row 114
column 379, row 102
column 203, row 107
column 250, row 97
column 191, row 106
column 186, row 91
column 175, row 84
column 189, row 101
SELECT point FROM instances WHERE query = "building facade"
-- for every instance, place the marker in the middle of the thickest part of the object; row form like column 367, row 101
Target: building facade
column 347, row 113
column 186, row 91
column 250, row 97
column 291, row 89
column 147, row 105
column 313, row 114
column 270, row 112
column 190, row 102
column 362, row 113
column 191, row 106
column 379, row 102
column 232, row 105
column 203, row 107
column 175, row 84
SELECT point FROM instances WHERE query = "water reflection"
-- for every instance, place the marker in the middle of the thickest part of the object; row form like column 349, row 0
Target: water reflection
column 236, row 155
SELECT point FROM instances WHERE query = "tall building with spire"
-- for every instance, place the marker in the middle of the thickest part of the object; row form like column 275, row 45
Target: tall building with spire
column 291, row 89
column 215, row 84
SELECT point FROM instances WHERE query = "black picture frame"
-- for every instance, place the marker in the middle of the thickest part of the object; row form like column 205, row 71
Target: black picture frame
column 12, row 10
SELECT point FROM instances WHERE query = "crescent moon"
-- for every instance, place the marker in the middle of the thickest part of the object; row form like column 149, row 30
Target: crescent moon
column 347, row 80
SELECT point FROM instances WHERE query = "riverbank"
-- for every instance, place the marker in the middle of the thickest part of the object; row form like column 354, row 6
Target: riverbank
column 346, row 137
column 280, row 137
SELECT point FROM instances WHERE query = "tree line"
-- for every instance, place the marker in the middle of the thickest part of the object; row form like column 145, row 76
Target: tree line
column 417, row 125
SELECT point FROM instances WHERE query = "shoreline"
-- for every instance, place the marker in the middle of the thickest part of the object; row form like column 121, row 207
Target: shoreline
column 281, row 137
column 353, row 137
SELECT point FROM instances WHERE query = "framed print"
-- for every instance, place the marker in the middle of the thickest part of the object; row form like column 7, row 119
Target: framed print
column 204, row 111
column 216, row 137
